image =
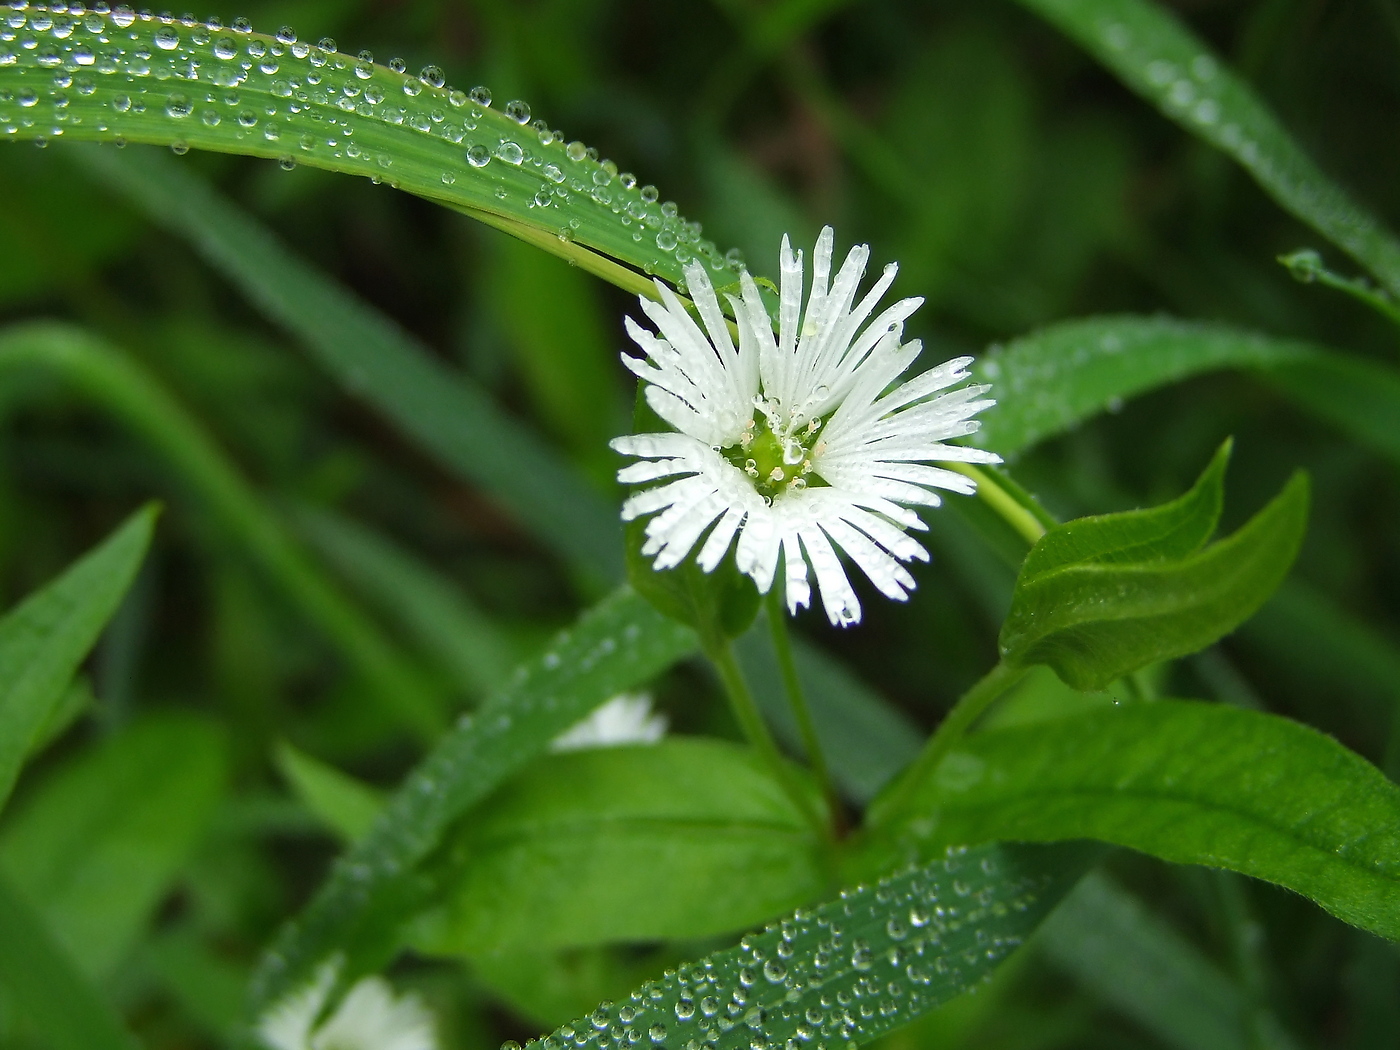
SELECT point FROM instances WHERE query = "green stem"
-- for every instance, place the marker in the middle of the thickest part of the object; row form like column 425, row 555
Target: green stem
column 741, row 702
column 1028, row 525
column 121, row 387
column 797, row 700
column 970, row 706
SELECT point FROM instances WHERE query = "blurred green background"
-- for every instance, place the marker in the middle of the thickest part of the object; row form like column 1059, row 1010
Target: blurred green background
column 1015, row 182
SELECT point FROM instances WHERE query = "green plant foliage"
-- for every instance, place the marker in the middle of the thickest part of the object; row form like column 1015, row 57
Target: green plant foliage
column 1109, row 941
column 341, row 802
column 43, row 640
column 854, row 967
column 57, row 998
column 1189, row 782
column 373, row 357
column 1101, row 597
column 1163, row 61
column 99, row 842
column 551, row 860
column 618, row 644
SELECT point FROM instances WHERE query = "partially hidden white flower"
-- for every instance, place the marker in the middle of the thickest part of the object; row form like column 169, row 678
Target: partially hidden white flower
column 625, row 719
column 798, row 446
column 370, row 1017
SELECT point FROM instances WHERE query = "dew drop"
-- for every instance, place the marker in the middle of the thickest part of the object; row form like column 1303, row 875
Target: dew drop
column 178, row 106
column 478, row 156
column 518, row 111
column 167, row 39
column 685, row 1009
column 657, row 1033
column 510, row 152
column 287, row 35
column 666, row 241
column 432, row 76
column 480, row 95
column 123, row 16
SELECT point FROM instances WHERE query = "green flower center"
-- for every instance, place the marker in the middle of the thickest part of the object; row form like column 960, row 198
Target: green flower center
column 776, row 461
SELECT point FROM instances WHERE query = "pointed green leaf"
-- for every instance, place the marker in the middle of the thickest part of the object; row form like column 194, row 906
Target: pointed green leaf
column 46, row 637
column 343, row 804
column 1095, row 621
column 853, row 968
column 1189, row 782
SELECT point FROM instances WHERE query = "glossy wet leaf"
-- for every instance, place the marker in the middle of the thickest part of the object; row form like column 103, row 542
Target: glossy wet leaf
column 615, row 646
column 46, row 637
column 257, row 95
column 1097, row 619
column 100, row 841
column 1152, row 52
column 1188, row 782
column 854, row 967
column 686, row 838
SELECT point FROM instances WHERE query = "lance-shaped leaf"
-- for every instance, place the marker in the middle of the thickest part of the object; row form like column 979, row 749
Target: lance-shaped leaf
column 850, row 969
column 44, row 639
column 1189, row 782
column 1101, row 597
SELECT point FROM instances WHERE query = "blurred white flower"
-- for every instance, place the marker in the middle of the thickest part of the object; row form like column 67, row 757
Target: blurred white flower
column 798, row 446
column 625, row 719
column 370, row 1017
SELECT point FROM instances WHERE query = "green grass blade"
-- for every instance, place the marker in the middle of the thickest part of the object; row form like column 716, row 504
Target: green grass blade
column 126, row 391
column 1050, row 381
column 1150, row 50
column 45, row 638
column 619, row 643
column 1126, row 956
column 439, row 616
column 60, row 1002
column 139, row 78
column 1188, row 782
column 371, row 356
column 99, row 842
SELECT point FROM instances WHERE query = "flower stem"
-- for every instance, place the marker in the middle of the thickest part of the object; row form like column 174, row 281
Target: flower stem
column 797, row 700
column 741, row 702
column 972, row 704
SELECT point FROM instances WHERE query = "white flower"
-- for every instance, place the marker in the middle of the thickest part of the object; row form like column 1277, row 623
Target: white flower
column 370, row 1017
column 798, row 446
column 625, row 719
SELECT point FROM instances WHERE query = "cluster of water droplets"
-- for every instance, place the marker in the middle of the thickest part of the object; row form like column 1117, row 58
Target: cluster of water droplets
column 834, row 976
column 112, row 73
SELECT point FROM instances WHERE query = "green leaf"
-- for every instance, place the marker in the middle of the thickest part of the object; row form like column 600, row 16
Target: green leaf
column 618, row 644
column 372, row 357
column 1096, row 620
column 411, row 131
column 1159, row 58
column 1159, row 534
column 854, row 967
column 43, row 639
column 551, row 859
column 344, row 804
column 1052, row 380
column 100, row 841
column 56, row 997
column 1188, row 782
